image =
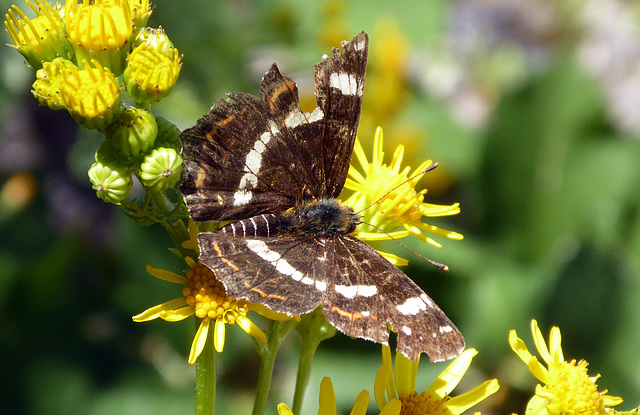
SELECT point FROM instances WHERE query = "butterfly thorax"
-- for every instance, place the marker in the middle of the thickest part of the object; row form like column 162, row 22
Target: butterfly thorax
column 322, row 217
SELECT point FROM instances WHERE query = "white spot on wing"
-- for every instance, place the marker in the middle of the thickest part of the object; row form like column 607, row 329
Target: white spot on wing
column 345, row 82
column 406, row 330
column 445, row 329
column 282, row 266
column 350, row 291
column 252, row 165
column 360, row 45
column 412, row 306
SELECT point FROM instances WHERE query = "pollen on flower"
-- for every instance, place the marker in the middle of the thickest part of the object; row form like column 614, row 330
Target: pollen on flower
column 572, row 390
column 208, row 296
column 424, row 403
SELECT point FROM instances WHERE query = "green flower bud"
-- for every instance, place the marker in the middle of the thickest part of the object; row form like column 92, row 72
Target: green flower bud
column 140, row 12
column 40, row 39
column 152, row 68
column 161, row 169
column 107, row 154
column 111, row 182
column 49, row 81
column 155, row 39
column 133, row 133
column 168, row 135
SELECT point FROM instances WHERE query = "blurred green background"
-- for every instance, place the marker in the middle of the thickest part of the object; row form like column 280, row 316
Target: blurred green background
column 532, row 109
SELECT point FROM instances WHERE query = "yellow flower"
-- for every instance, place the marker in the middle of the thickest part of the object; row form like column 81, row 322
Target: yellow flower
column 400, row 207
column 91, row 95
column 328, row 402
column 100, row 30
column 436, row 399
column 49, row 81
column 152, row 68
column 41, row 38
column 204, row 296
column 567, row 387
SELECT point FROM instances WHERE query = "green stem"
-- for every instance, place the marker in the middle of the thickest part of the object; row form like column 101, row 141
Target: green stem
column 206, row 378
column 278, row 331
column 313, row 329
column 177, row 230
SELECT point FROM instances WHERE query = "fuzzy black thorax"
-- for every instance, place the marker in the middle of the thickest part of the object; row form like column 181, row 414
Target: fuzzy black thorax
column 322, row 217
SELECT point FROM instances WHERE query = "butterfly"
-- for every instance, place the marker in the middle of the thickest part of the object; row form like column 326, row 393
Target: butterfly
column 276, row 172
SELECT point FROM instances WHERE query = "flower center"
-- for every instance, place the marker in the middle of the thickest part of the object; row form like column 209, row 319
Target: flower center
column 209, row 297
column 572, row 391
column 424, row 404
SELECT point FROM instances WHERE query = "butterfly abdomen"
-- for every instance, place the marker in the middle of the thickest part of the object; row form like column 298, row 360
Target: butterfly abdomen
column 260, row 225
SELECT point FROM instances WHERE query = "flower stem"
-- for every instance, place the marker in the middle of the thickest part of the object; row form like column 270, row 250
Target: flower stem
column 278, row 331
column 206, row 378
column 313, row 329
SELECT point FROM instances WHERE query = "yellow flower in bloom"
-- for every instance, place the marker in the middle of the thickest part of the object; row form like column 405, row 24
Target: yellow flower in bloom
column 91, row 95
column 400, row 207
column 152, row 69
column 204, row 296
column 567, row 387
column 328, row 402
column 436, row 400
column 100, row 30
column 38, row 39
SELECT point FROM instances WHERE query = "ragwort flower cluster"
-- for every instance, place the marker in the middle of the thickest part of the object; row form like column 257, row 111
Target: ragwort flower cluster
column 85, row 55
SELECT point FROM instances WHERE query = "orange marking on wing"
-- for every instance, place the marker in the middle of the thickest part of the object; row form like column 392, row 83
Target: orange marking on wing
column 264, row 294
column 350, row 316
column 225, row 260
column 285, row 87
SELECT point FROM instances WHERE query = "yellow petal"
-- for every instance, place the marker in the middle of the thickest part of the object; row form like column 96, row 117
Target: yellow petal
column 270, row 314
column 250, row 328
column 199, row 340
column 392, row 408
column 405, row 374
column 327, row 398
column 540, row 343
column 154, row 312
column 378, row 154
column 461, row 403
column 394, row 259
column 177, row 314
column 165, row 275
column 381, row 236
column 284, row 409
column 361, row 155
column 452, row 375
column 555, row 347
column 608, row 400
column 219, row 335
column 361, row 404
column 519, row 347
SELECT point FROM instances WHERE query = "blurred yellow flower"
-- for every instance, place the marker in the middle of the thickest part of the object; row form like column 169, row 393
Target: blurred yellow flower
column 401, row 386
column 567, row 387
column 327, row 402
column 400, row 207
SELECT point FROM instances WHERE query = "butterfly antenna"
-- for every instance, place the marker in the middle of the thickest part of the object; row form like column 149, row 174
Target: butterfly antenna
column 432, row 262
column 425, row 170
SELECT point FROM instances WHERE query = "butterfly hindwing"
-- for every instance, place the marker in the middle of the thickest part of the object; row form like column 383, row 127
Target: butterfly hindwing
column 370, row 294
column 284, row 273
